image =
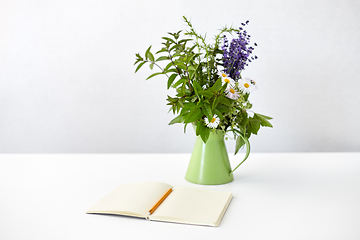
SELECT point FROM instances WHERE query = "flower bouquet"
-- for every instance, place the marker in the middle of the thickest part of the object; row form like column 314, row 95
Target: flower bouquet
column 210, row 90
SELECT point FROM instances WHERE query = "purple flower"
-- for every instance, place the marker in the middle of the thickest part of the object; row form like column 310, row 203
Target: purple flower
column 237, row 56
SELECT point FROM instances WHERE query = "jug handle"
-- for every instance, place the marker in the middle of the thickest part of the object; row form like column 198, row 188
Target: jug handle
column 247, row 143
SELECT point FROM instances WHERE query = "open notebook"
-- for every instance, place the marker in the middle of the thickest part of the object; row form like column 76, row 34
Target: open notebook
column 183, row 205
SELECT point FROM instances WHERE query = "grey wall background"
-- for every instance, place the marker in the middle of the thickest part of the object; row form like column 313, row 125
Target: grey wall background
column 67, row 82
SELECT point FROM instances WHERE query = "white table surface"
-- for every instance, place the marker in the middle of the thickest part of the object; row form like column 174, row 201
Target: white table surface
column 276, row 196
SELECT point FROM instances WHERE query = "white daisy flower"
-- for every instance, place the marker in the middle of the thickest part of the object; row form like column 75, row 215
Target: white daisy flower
column 223, row 75
column 232, row 93
column 213, row 123
column 246, row 85
column 226, row 79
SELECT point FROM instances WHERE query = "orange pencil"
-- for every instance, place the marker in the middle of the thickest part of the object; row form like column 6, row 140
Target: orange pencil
column 159, row 202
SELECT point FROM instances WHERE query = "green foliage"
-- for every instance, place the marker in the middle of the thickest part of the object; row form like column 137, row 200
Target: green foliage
column 190, row 65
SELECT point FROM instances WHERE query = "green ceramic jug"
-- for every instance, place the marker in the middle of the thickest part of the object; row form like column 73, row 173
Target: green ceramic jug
column 209, row 163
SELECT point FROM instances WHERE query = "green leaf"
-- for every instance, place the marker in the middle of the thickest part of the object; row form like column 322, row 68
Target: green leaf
column 188, row 92
column 215, row 103
column 244, row 116
column 194, row 114
column 172, row 70
column 192, row 48
column 223, row 88
column 185, row 40
column 171, row 80
column 254, row 125
column 205, row 134
column 217, row 112
column 266, row 117
column 181, row 66
column 172, row 48
column 161, row 50
column 222, row 108
column 139, row 66
column 197, row 86
column 185, row 125
column 188, row 60
column 206, row 93
column 188, row 105
column 183, row 88
column 239, row 143
column 178, row 119
column 263, row 121
column 147, row 52
column 191, row 68
column 179, row 82
column 149, row 55
column 217, row 85
column 247, row 143
column 169, row 39
column 225, row 101
column 192, row 74
column 155, row 74
column 199, row 128
column 162, row 58
column 207, row 111
column 170, row 64
column 138, row 58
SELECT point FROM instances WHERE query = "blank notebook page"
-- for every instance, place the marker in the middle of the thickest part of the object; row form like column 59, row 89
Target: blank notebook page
column 193, row 205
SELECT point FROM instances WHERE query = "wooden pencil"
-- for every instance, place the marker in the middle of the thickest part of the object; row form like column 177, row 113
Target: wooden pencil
column 159, row 202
